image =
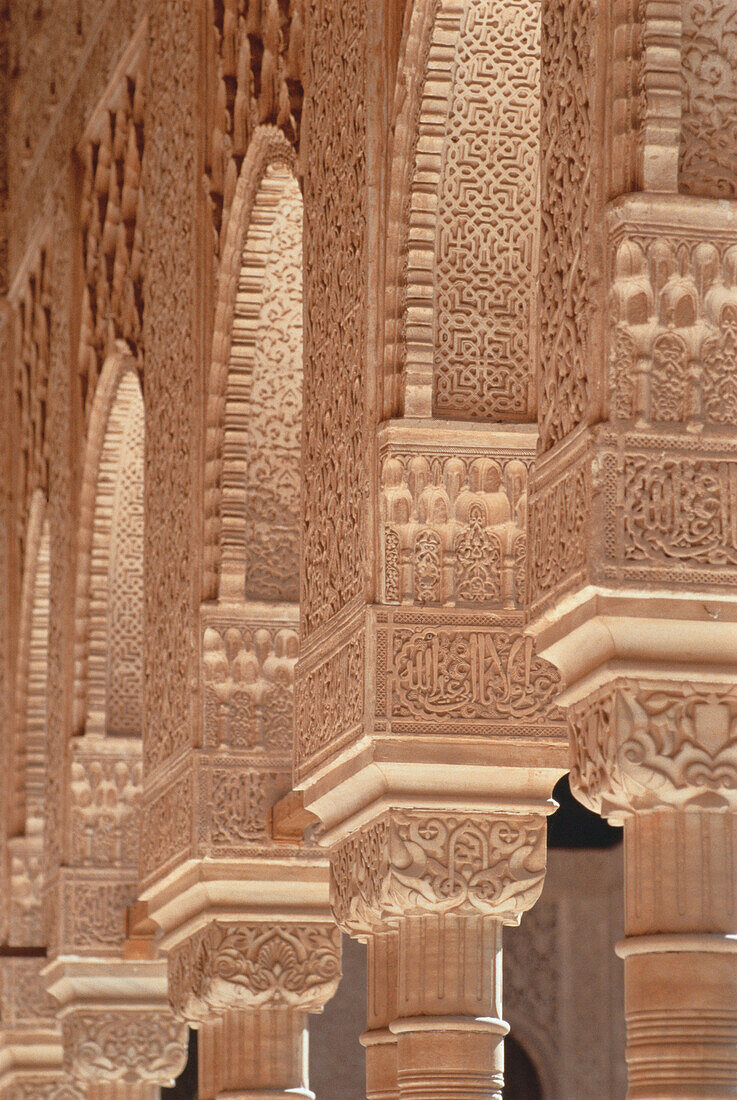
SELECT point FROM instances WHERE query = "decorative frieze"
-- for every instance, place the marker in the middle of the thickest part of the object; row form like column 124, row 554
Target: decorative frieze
column 330, row 698
column 462, row 674
column 92, row 910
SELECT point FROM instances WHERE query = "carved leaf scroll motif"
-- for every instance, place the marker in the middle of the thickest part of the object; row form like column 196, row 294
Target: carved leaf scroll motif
column 642, row 745
column 244, row 965
column 421, row 863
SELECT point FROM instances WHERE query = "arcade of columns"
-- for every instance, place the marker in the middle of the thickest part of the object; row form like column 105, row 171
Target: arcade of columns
column 369, row 461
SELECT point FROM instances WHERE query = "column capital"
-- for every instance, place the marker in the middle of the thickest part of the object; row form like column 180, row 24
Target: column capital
column 123, row 1043
column 244, row 965
column 423, row 862
column 640, row 744
column 31, row 1060
column 116, row 1025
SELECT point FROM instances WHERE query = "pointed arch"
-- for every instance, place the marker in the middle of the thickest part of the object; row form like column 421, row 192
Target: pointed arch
column 254, row 395
column 109, row 594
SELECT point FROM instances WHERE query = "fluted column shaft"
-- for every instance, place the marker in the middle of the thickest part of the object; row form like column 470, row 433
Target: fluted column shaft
column 254, row 1054
column 123, row 1090
column 381, row 1010
column 449, row 1028
column 681, row 954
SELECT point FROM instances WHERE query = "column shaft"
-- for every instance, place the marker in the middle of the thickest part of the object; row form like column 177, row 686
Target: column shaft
column 254, row 1054
column 381, row 1010
column 123, row 1090
column 681, row 954
column 449, row 1028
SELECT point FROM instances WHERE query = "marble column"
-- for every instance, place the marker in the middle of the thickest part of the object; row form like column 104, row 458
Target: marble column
column 248, row 988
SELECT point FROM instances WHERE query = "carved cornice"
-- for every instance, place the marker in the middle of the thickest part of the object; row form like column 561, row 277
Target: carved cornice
column 260, row 965
column 647, row 744
column 124, row 1045
column 413, row 863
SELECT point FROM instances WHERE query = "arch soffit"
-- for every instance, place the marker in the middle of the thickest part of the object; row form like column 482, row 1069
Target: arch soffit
column 269, row 146
column 419, row 21
column 30, row 671
column 118, row 367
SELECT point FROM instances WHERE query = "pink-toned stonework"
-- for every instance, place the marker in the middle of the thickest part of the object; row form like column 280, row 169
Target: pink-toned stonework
column 368, row 393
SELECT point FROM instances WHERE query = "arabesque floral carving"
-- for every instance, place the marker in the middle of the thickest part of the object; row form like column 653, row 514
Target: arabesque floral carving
column 412, row 862
column 259, row 965
column 124, row 1045
column 642, row 745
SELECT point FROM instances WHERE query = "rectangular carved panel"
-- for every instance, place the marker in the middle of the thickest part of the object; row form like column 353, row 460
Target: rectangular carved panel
column 460, row 674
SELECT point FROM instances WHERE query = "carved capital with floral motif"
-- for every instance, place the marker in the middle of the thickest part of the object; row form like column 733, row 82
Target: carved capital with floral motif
column 239, row 965
column 647, row 744
column 409, row 862
column 124, row 1044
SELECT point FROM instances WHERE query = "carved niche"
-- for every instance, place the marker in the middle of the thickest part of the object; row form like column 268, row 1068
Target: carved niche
column 454, row 529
